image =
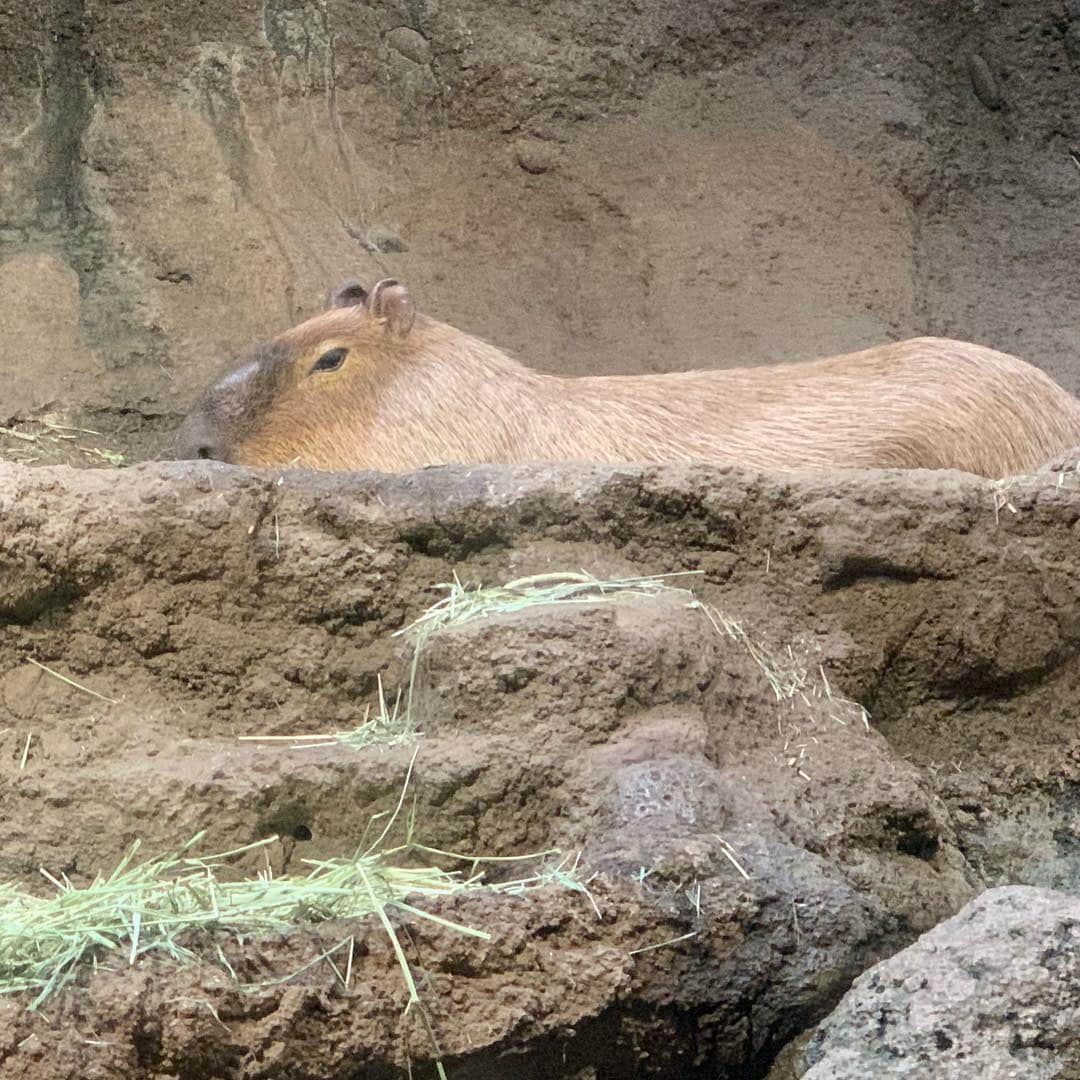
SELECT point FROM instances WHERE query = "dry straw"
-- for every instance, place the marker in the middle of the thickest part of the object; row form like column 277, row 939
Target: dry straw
column 29, row 446
column 390, row 724
column 168, row 905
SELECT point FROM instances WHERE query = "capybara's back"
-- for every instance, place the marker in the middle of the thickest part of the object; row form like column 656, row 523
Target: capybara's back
column 924, row 403
column 369, row 384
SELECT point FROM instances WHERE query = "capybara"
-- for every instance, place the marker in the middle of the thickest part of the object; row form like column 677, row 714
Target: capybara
column 371, row 384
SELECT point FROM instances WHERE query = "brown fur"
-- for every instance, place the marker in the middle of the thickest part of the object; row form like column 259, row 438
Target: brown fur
column 414, row 392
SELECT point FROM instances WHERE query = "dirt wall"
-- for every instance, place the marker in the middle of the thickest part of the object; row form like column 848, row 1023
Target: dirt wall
column 618, row 189
column 205, row 602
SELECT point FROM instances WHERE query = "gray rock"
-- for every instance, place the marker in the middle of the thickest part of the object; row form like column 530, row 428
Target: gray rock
column 984, row 82
column 990, row 993
column 536, row 156
column 411, row 44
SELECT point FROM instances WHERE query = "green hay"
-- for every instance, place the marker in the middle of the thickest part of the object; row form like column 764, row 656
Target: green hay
column 162, row 905
column 396, row 724
column 788, row 678
column 169, row 904
column 391, row 725
column 463, row 605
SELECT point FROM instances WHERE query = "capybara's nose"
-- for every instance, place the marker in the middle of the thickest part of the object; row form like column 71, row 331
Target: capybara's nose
column 195, row 439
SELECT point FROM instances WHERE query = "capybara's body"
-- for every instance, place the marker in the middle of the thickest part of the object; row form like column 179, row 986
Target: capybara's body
column 369, row 385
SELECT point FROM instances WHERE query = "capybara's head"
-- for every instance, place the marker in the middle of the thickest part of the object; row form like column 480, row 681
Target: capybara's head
column 301, row 397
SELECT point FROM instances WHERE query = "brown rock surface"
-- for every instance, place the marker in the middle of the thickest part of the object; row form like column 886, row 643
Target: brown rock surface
column 211, row 602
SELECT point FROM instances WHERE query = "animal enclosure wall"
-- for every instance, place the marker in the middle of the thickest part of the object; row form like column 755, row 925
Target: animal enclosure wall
column 597, row 187
column 863, row 714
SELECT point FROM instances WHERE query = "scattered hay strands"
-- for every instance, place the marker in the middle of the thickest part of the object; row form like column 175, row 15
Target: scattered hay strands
column 463, row 605
column 1002, row 500
column 70, row 682
column 663, row 944
column 162, row 905
column 789, row 680
column 390, row 726
column 1066, row 471
column 790, row 683
column 729, row 853
column 52, row 437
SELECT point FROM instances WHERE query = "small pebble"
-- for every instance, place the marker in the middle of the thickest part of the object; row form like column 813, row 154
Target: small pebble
column 410, row 44
column 983, row 82
column 536, row 156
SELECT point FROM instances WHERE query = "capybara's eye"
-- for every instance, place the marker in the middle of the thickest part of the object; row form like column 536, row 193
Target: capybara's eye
column 330, row 360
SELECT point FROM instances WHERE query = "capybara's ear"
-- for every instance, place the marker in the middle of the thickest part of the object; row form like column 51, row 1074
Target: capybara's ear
column 348, row 295
column 392, row 305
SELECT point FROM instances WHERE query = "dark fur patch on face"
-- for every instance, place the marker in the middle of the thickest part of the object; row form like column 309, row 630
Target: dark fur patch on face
column 235, row 405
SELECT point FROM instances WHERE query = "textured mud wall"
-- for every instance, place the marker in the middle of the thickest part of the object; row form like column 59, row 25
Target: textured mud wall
column 207, row 602
column 607, row 188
